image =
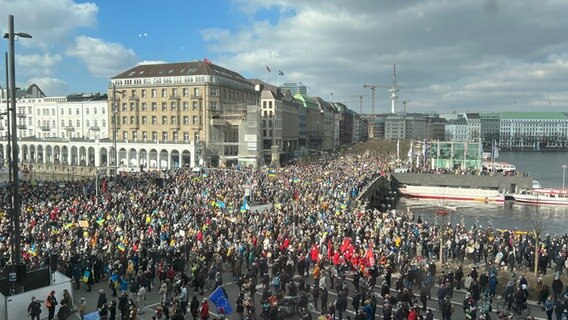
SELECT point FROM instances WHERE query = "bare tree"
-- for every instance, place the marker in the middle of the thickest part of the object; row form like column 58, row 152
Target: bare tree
column 539, row 218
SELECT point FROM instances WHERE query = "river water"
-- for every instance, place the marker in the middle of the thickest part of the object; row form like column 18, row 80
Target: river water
column 546, row 167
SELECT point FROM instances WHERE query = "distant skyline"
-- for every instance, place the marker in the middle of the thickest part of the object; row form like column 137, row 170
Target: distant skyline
column 461, row 55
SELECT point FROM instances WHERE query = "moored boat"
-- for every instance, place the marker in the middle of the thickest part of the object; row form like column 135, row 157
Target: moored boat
column 544, row 196
column 452, row 193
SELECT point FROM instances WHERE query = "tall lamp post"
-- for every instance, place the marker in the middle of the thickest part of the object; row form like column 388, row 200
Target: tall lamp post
column 563, row 176
column 10, row 35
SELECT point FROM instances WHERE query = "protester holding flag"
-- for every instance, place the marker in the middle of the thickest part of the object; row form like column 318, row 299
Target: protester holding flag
column 204, row 310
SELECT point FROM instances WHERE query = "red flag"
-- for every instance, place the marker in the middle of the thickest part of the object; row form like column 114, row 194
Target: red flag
column 207, row 61
column 268, row 69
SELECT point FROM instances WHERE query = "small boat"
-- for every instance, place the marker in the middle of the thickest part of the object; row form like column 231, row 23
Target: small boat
column 452, row 193
column 545, row 196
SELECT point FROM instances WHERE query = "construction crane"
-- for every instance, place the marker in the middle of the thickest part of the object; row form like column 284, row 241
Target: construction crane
column 360, row 102
column 373, row 87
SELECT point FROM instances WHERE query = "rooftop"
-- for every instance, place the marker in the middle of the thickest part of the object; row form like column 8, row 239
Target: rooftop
column 534, row 115
column 179, row 69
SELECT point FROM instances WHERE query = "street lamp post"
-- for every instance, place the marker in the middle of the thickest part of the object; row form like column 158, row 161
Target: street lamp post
column 563, row 176
column 9, row 157
column 15, row 179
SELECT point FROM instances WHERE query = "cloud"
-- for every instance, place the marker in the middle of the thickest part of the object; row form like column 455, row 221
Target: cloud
column 48, row 21
column 450, row 55
column 150, row 62
column 40, row 63
column 50, row 86
column 103, row 59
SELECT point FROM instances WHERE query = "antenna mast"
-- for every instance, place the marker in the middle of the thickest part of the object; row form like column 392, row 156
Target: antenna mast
column 394, row 90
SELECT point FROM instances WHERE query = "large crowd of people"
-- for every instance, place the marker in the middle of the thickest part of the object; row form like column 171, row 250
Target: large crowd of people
column 178, row 232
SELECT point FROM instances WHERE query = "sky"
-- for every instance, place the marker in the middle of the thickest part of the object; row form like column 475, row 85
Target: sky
column 451, row 55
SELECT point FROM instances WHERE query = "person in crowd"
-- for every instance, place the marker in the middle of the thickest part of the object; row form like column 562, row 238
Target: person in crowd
column 34, row 309
column 50, row 303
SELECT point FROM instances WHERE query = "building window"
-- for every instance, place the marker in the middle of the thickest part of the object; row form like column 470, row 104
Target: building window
column 194, row 120
column 173, row 106
column 185, row 92
column 143, row 106
column 185, row 106
column 173, row 120
column 164, row 106
column 63, row 123
column 164, row 120
column 213, row 105
column 124, row 119
column 175, row 136
column 62, row 111
column 87, row 111
column 94, row 110
column 133, row 93
column 154, row 106
column 154, row 135
column 154, row 120
column 134, row 135
column 78, row 123
column 125, row 135
column 104, row 123
column 213, row 92
column 131, row 106
column 174, row 92
column 194, row 105
column 87, row 123
column 132, row 120
column 185, row 120
column 164, row 136
column 143, row 93
column 164, row 93
column 186, row 136
column 196, row 92
column 144, row 120
column 124, row 107
column 196, row 136
column 144, row 135
column 154, row 93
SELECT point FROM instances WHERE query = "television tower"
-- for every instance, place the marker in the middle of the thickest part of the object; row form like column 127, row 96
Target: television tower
column 393, row 90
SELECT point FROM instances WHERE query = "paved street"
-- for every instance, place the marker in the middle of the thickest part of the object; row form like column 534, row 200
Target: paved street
column 152, row 300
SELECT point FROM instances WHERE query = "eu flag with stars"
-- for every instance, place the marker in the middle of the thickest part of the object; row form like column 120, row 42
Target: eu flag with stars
column 219, row 299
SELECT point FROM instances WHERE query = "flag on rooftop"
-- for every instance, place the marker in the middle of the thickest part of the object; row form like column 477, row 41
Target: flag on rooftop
column 268, row 68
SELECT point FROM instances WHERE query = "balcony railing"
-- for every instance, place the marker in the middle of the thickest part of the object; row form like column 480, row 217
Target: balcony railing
column 22, row 126
column 45, row 128
column 21, row 115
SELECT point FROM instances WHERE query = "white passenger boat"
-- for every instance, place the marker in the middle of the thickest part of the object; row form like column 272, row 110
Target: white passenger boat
column 452, row 193
column 544, row 196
